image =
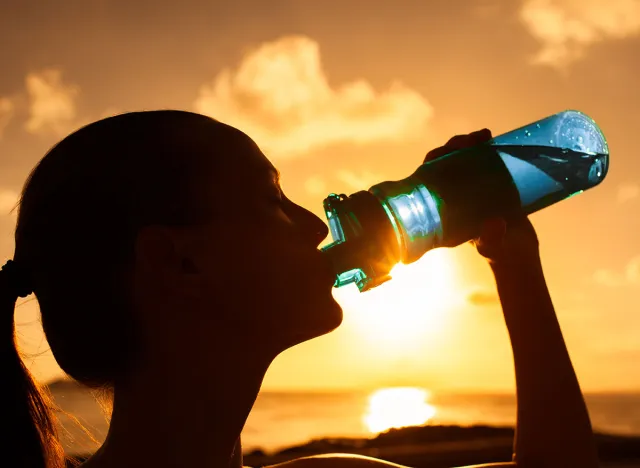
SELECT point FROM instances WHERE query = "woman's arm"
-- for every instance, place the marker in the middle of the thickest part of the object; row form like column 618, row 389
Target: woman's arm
column 553, row 428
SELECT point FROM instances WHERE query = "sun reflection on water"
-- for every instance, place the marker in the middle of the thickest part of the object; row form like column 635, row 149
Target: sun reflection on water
column 398, row 407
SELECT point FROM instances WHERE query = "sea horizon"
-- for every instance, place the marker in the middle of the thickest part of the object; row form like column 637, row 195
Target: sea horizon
column 373, row 387
column 304, row 415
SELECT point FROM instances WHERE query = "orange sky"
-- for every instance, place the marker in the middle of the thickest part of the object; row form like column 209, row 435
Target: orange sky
column 341, row 96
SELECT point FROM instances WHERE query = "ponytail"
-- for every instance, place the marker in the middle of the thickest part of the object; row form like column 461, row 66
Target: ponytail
column 29, row 437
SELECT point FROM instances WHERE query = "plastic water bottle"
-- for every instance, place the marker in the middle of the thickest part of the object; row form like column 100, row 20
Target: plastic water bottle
column 444, row 202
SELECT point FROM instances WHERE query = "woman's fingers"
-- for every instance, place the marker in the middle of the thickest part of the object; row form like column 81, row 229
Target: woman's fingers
column 437, row 153
column 459, row 142
column 482, row 135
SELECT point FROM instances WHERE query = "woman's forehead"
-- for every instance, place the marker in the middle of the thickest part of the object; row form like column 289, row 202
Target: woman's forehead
column 244, row 165
column 250, row 160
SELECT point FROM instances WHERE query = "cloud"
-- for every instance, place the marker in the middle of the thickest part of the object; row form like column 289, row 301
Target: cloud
column 281, row 97
column 8, row 200
column 629, row 277
column 566, row 28
column 6, row 113
column 482, row 297
column 51, row 103
column 628, row 192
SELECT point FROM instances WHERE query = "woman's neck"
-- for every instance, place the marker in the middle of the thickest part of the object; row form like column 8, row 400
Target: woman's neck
column 191, row 416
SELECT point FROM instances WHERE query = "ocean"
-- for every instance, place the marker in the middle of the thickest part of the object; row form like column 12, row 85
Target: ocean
column 283, row 419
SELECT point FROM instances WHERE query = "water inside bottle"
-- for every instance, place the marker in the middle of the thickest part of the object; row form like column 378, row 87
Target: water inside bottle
column 545, row 175
column 554, row 158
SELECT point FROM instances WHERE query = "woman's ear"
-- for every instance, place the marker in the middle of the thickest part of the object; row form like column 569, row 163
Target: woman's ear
column 165, row 259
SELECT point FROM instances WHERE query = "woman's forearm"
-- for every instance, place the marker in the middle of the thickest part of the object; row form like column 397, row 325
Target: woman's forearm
column 553, row 428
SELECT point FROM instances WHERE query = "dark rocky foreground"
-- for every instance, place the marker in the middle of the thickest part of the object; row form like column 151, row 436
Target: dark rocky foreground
column 442, row 447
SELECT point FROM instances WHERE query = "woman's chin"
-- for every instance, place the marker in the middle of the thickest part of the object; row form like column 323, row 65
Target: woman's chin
column 330, row 317
column 337, row 313
column 321, row 321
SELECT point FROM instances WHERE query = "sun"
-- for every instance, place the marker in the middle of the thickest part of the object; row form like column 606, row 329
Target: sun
column 415, row 304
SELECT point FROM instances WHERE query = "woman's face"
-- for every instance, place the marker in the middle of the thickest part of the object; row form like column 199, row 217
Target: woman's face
column 265, row 277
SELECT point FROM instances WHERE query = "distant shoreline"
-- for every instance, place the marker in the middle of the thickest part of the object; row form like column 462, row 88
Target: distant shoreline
column 430, row 446
column 67, row 382
column 439, row 447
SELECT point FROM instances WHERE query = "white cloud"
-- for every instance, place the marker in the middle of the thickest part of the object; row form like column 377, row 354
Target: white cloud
column 8, row 200
column 6, row 113
column 629, row 277
column 566, row 28
column 361, row 181
column 280, row 96
column 51, row 102
column 628, row 192
column 315, row 185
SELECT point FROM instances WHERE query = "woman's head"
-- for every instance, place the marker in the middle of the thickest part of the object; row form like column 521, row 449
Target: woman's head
column 167, row 229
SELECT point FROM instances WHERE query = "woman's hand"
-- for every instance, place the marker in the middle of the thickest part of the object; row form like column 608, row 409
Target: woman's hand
column 501, row 242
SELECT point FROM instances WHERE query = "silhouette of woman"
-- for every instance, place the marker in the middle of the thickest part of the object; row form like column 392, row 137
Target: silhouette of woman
column 171, row 269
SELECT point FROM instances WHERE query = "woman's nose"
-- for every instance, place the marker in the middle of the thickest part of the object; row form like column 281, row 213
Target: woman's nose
column 313, row 226
column 322, row 230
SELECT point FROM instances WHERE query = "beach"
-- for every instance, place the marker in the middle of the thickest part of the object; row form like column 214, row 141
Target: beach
column 445, row 447
column 442, row 447
column 465, row 429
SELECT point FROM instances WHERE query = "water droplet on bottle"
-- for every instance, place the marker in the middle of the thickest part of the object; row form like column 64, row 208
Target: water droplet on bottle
column 527, row 133
column 551, row 142
column 580, row 139
column 516, row 137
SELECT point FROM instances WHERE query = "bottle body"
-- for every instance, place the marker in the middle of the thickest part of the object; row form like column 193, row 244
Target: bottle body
column 443, row 203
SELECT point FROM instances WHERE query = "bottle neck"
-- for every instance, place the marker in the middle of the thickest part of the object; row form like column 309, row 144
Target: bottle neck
column 365, row 244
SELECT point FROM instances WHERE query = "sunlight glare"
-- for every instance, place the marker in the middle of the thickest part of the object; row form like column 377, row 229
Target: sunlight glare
column 398, row 407
column 416, row 304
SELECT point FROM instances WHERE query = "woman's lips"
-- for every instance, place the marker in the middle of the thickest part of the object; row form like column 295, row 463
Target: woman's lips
column 326, row 268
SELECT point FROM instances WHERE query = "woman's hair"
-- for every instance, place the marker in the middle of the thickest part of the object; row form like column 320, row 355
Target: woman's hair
column 78, row 218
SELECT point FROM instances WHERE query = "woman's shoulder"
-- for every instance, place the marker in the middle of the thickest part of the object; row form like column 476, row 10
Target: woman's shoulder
column 356, row 461
column 335, row 461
